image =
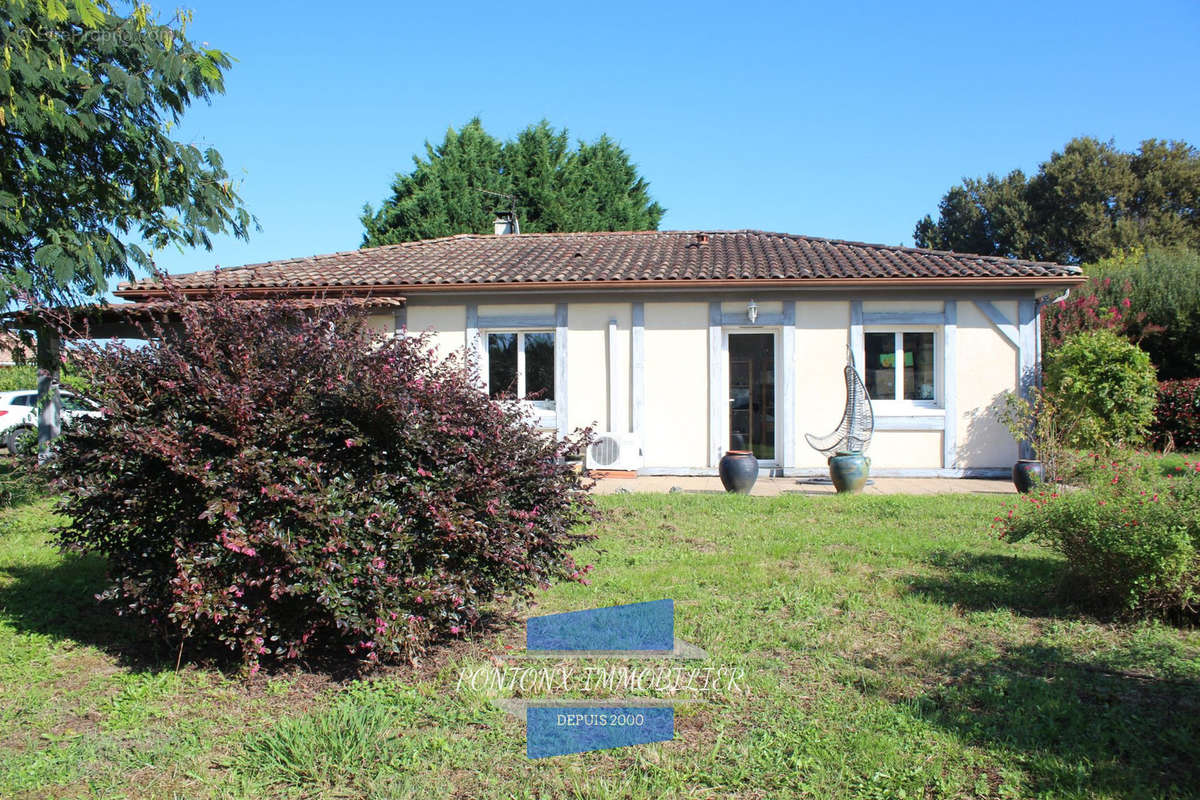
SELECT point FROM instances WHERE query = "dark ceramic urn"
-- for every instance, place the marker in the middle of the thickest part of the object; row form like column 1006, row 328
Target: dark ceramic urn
column 739, row 471
column 1027, row 473
column 849, row 471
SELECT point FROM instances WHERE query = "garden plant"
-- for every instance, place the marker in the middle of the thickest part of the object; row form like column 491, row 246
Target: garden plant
column 1130, row 537
column 275, row 478
column 1104, row 387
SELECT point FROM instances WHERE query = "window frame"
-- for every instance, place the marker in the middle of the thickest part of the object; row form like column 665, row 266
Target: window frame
column 546, row 404
column 897, row 403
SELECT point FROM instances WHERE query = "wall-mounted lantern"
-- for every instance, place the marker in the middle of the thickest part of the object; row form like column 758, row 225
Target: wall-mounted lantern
column 752, row 311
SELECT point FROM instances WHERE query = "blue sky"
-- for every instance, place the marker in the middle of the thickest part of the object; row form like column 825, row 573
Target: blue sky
column 846, row 120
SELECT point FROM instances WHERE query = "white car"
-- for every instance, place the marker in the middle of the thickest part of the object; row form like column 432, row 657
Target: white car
column 19, row 414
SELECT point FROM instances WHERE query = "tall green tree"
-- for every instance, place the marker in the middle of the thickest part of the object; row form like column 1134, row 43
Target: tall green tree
column 989, row 216
column 441, row 196
column 535, row 163
column 1080, row 203
column 592, row 187
column 1085, row 203
column 1167, row 178
column 91, row 182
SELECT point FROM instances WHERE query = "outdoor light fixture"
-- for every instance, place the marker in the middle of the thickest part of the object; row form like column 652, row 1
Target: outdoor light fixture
column 752, row 311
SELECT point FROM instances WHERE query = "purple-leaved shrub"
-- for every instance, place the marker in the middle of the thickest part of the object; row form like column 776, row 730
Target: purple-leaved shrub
column 280, row 479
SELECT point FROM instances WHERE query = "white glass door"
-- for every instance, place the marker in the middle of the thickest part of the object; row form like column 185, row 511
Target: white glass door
column 752, row 401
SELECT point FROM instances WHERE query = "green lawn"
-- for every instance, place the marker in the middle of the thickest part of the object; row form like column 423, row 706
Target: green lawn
column 893, row 649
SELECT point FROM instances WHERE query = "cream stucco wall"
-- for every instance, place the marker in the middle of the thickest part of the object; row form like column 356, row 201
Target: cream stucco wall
column 589, row 370
column 676, row 368
column 498, row 309
column 822, row 334
column 676, row 347
column 382, row 322
column 987, row 368
column 906, row 450
column 446, row 325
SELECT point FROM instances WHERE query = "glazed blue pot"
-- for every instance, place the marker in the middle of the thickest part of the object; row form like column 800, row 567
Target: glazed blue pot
column 1027, row 473
column 849, row 471
column 738, row 470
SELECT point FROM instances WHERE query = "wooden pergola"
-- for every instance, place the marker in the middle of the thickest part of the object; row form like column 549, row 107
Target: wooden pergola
column 120, row 321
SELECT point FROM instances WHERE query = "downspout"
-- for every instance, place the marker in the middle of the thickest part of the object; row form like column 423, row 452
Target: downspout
column 1038, row 305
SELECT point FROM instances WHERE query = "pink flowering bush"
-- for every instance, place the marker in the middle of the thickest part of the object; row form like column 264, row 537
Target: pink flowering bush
column 1149, row 297
column 1131, row 538
column 1101, row 304
column 277, row 479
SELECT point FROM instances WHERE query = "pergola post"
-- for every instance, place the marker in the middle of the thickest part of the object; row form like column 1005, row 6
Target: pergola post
column 49, row 362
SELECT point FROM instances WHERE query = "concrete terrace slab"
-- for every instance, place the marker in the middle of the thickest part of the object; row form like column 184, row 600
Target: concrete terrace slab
column 770, row 487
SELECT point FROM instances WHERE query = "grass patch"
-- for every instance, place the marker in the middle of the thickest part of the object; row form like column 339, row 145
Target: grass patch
column 333, row 747
column 892, row 646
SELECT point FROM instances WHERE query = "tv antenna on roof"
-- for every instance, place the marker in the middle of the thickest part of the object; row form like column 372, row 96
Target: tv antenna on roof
column 511, row 214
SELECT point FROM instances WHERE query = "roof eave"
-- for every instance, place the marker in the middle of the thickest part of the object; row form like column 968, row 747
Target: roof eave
column 392, row 290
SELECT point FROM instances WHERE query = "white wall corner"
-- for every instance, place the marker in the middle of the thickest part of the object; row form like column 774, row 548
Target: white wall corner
column 637, row 368
column 717, row 402
column 950, row 377
column 560, row 369
column 787, row 437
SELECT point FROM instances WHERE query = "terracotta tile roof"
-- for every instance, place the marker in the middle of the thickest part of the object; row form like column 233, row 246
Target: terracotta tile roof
column 112, row 313
column 597, row 259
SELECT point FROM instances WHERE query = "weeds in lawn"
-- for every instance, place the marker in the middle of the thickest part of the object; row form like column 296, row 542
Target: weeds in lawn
column 338, row 746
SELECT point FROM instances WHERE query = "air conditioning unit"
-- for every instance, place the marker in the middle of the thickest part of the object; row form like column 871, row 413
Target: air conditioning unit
column 620, row 451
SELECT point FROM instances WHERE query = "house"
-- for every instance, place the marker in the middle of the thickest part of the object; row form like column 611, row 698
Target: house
column 12, row 351
column 691, row 343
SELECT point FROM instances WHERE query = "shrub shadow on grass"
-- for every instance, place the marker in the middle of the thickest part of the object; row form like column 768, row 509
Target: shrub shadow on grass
column 60, row 601
column 1075, row 726
column 1029, row 585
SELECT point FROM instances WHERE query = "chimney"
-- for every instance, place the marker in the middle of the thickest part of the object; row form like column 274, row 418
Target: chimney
column 506, row 222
